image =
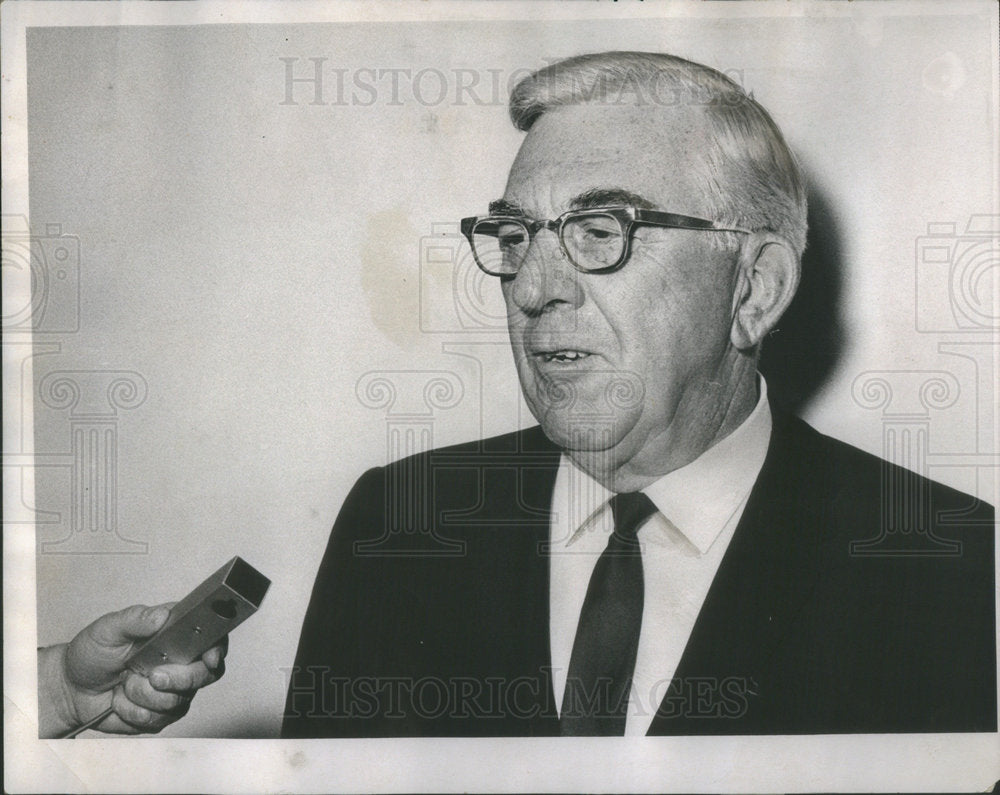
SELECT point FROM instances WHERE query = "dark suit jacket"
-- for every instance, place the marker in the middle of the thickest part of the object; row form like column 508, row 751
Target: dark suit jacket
column 854, row 597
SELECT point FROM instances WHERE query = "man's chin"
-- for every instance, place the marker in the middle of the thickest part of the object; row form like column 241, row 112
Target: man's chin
column 580, row 433
column 590, row 411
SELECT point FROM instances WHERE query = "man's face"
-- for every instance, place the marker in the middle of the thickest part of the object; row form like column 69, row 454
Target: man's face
column 636, row 363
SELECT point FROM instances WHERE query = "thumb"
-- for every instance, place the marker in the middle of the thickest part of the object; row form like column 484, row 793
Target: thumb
column 131, row 624
column 96, row 657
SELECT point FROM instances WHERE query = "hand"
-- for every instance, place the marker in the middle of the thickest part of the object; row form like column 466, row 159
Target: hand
column 79, row 680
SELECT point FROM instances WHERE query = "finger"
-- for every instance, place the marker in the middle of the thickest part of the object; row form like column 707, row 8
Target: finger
column 183, row 678
column 96, row 656
column 140, row 692
column 131, row 718
column 115, row 725
column 214, row 657
column 125, row 626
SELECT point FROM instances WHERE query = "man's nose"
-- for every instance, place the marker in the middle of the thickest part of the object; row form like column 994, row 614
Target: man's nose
column 546, row 279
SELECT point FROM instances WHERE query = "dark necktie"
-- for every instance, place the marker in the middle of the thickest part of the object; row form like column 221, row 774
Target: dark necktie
column 595, row 701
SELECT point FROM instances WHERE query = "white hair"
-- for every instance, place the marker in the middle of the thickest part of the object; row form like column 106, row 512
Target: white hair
column 750, row 175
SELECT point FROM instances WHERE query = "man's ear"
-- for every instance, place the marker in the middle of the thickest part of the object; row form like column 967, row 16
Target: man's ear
column 765, row 285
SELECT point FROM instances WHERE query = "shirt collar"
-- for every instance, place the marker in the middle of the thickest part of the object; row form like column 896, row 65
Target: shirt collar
column 699, row 499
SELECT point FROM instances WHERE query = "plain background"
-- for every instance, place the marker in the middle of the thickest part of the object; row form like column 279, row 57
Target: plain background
column 254, row 261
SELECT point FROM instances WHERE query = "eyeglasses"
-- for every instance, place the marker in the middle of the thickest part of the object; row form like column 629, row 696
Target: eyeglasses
column 595, row 240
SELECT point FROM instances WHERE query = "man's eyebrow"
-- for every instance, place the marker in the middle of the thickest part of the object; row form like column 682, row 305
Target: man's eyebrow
column 504, row 207
column 610, row 197
column 596, row 197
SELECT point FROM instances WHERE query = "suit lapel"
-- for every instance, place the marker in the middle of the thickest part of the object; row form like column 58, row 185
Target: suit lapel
column 752, row 601
column 505, row 527
column 538, row 468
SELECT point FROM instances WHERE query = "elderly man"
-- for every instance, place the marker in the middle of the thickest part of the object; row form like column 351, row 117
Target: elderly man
column 667, row 553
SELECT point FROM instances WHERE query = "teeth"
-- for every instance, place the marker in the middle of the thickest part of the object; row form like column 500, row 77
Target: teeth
column 565, row 356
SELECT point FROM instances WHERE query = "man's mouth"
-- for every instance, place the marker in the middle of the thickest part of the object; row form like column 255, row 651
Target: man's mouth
column 565, row 355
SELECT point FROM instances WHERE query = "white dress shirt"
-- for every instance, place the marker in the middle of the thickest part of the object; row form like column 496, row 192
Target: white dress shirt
column 682, row 546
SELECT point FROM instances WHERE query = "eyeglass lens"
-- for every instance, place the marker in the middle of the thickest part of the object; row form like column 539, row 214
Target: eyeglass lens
column 592, row 241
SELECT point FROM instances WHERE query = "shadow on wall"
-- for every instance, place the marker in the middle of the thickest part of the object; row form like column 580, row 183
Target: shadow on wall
column 801, row 353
